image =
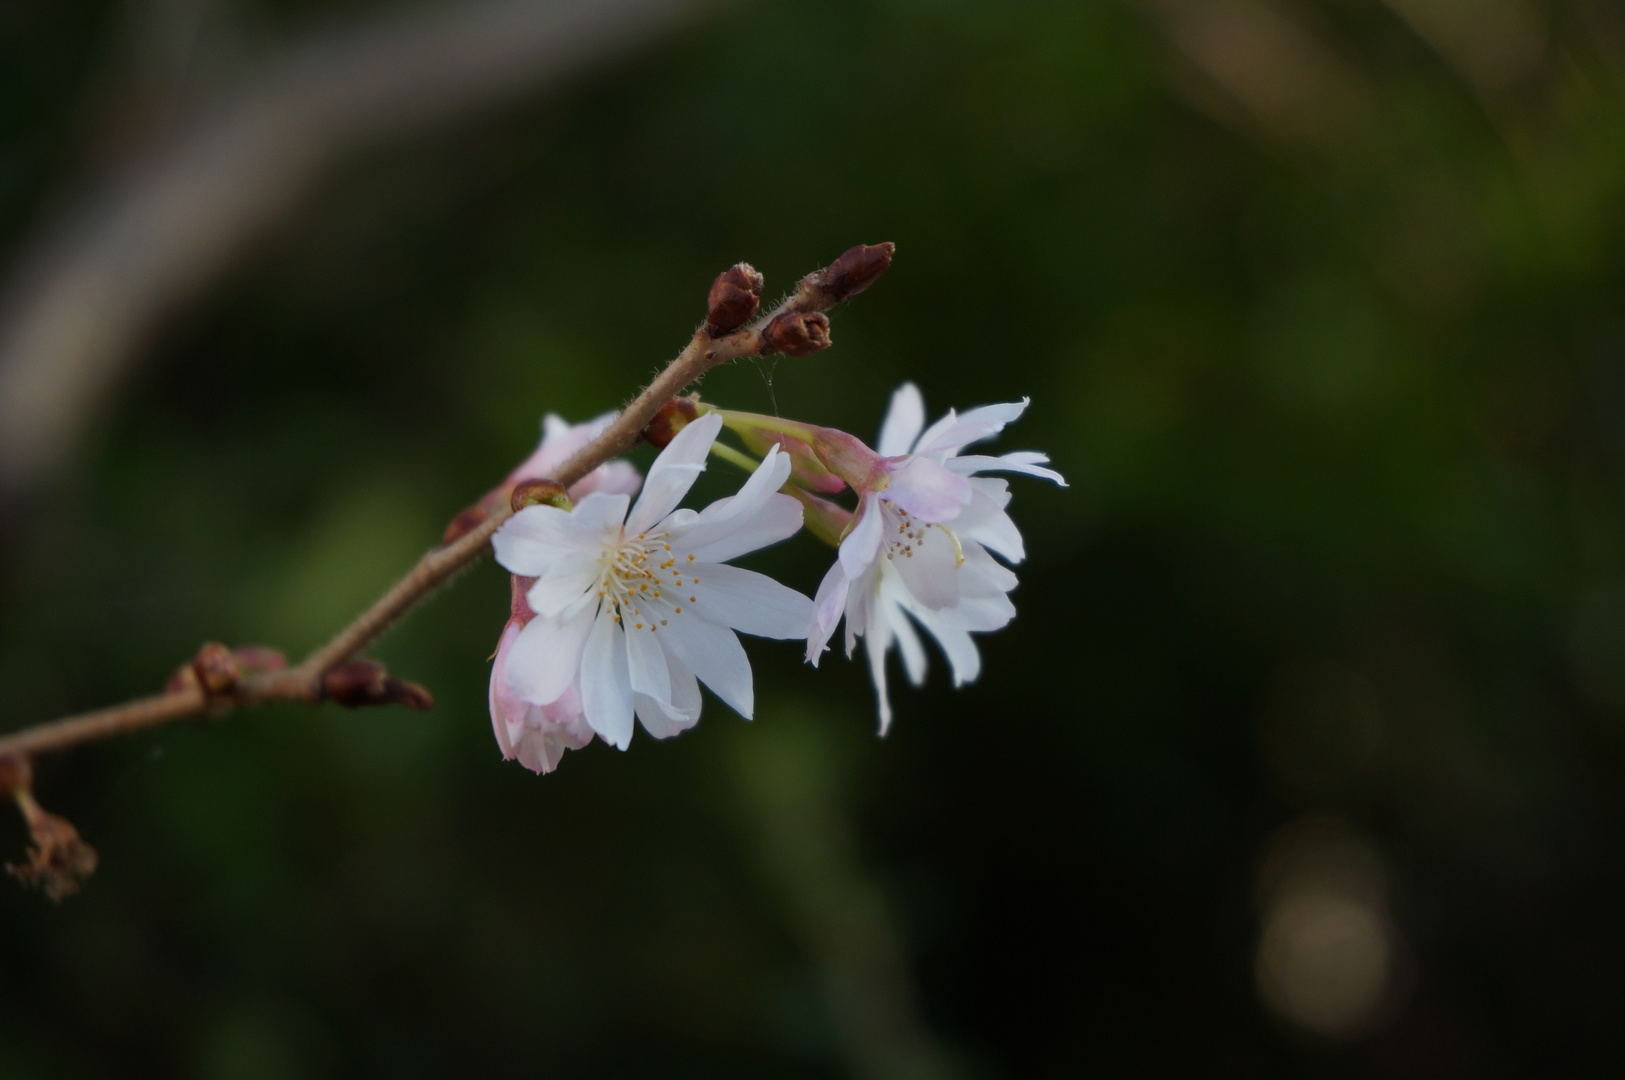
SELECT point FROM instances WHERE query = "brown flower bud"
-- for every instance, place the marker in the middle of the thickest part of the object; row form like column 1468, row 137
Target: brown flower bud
column 216, row 668
column 674, row 416
column 538, row 493
column 797, row 333
column 856, row 270
column 735, row 296
column 366, row 682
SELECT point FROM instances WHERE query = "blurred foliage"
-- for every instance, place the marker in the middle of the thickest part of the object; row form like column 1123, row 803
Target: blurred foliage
column 1330, row 349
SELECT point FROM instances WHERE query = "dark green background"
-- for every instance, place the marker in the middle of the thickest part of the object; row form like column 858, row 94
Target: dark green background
column 1339, row 388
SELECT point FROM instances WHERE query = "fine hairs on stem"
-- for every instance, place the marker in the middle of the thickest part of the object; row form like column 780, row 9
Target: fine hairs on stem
column 219, row 680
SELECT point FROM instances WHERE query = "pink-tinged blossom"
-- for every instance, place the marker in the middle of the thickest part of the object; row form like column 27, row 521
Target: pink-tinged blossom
column 634, row 602
column 918, row 547
column 538, row 735
column 561, row 440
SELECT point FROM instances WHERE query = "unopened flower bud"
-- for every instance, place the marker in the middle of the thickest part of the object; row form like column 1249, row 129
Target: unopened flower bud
column 366, row 682
column 805, row 467
column 825, row 520
column 856, row 270
column 674, row 416
column 797, row 333
column 216, row 668
column 735, row 296
column 538, row 493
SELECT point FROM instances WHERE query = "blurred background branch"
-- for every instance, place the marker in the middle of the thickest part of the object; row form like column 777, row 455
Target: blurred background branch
column 95, row 278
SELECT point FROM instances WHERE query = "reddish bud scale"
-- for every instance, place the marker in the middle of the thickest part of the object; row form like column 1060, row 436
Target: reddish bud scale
column 216, row 668
column 856, row 269
column 797, row 333
column 735, row 296
column 674, row 416
column 519, row 599
column 366, row 682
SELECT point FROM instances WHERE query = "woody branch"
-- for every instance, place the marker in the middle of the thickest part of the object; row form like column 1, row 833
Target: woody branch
column 219, row 680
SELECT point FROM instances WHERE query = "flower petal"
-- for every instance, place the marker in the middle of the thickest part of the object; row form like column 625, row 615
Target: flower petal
column 982, row 575
column 542, row 662
column 506, row 708
column 1021, row 461
column 955, row 640
column 685, row 699
column 985, row 522
column 929, row 569
column 876, row 649
column 646, row 664
column 715, row 655
column 974, row 426
column 858, row 550
column 565, row 582
column 777, row 519
column 606, row 685
column 612, row 478
column 903, row 422
column 750, row 602
column 673, row 473
column 929, row 491
column 908, row 644
column 529, row 542
column 827, row 607
column 597, row 519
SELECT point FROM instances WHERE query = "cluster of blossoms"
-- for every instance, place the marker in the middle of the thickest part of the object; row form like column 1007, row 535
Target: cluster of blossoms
column 620, row 608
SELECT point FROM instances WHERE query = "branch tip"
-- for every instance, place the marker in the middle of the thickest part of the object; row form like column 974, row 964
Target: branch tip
column 855, row 270
column 59, row 861
column 366, row 682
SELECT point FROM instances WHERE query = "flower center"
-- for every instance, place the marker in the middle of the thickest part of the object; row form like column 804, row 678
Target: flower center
column 643, row 581
column 906, row 535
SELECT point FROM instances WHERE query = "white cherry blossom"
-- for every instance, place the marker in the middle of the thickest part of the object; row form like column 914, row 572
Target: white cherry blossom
column 634, row 602
column 918, row 547
column 538, row 735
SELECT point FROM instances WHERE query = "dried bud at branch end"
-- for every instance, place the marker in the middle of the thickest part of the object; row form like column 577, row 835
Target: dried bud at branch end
column 735, row 296
column 797, row 333
column 366, row 682
column 216, row 668
column 59, row 862
column 856, row 269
